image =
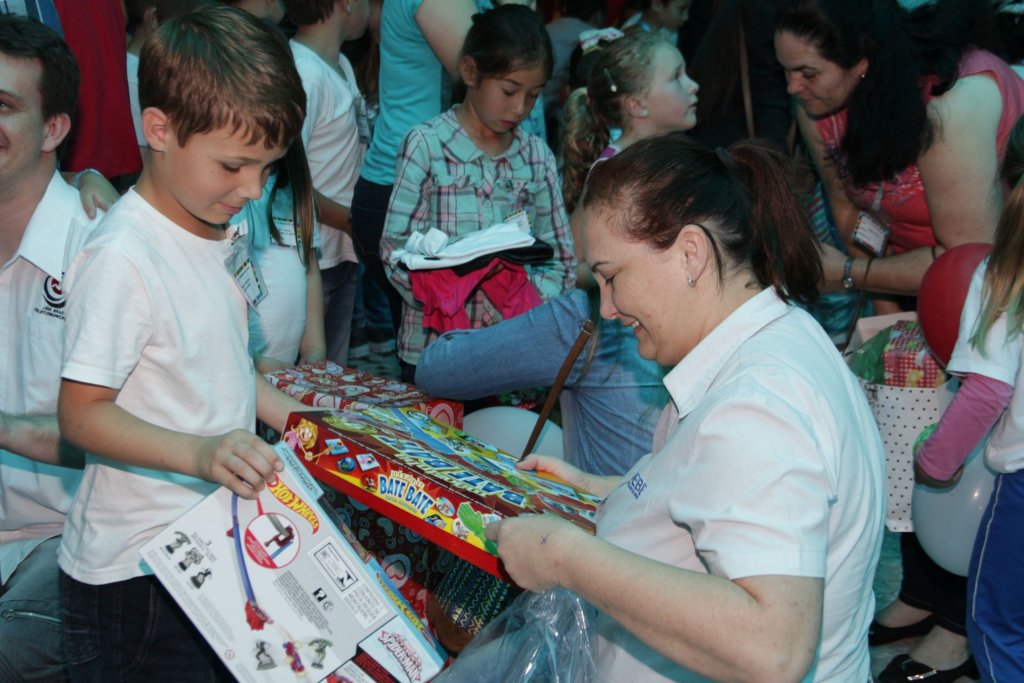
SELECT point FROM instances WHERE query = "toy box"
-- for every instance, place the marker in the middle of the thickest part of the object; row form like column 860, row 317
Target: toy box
column 329, row 385
column 907, row 359
column 279, row 593
column 429, row 477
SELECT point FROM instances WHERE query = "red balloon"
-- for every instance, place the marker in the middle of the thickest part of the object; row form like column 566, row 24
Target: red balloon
column 941, row 297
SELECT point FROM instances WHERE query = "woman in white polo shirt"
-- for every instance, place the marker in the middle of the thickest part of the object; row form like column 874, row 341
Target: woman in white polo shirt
column 744, row 546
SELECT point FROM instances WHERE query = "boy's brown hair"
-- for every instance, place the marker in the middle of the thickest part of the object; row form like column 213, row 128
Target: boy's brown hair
column 306, row 12
column 220, row 67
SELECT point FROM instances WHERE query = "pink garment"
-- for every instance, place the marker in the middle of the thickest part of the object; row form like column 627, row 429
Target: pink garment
column 970, row 416
column 903, row 199
column 444, row 293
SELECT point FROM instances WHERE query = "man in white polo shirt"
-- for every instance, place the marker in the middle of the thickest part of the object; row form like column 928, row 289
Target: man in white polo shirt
column 42, row 226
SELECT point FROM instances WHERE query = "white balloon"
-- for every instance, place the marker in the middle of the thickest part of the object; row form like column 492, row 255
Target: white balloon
column 509, row 429
column 946, row 520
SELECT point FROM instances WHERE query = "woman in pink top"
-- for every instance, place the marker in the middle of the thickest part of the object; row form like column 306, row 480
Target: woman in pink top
column 906, row 123
column 907, row 138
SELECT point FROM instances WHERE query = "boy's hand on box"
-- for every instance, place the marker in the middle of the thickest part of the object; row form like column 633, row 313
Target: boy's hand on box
column 239, row 460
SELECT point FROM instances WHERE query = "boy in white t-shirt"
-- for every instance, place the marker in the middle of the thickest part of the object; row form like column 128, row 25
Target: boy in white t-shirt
column 158, row 386
column 335, row 135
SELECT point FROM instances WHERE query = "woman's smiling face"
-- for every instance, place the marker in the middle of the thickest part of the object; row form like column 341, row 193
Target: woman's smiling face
column 643, row 288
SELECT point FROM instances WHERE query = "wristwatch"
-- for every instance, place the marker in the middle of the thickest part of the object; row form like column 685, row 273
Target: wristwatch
column 847, row 275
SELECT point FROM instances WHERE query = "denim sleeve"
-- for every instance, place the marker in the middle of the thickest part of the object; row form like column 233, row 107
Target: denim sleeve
column 525, row 351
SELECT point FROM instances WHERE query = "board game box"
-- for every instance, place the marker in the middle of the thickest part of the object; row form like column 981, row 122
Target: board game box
column 280, row 594
column 433, row 479
column 329, row 385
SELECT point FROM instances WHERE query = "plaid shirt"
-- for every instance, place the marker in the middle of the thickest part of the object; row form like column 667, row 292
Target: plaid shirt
column 445, row 182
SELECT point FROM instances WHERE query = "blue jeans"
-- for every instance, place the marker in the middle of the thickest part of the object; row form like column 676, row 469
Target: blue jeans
column 132, row 631
column 30, row 630
column 367, row 215
column 612, row 397
column 995, row 610
column 339, row 301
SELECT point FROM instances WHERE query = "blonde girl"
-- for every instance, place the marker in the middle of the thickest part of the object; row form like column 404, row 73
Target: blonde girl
column 637, row 84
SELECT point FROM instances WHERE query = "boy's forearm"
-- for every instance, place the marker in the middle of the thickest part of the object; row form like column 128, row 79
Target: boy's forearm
column 89, row 418
column 330, row 212
column 273, row 406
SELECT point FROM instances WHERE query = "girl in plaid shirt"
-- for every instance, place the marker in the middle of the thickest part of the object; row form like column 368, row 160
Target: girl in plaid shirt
column 471, row 167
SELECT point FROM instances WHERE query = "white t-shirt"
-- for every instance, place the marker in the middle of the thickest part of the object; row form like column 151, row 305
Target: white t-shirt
column 152, row 312
column 1000, row 359
column 277, row 325
column 133, row 97
column 334, row 146
column 35, row 497
column 767, row 461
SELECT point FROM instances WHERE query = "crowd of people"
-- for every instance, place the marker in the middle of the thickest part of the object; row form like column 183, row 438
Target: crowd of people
column 305, row 164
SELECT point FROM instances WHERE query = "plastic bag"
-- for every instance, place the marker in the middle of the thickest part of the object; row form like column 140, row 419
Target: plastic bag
column 541, row 638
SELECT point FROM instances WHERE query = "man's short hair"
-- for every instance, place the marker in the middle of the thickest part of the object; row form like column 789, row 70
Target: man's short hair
column 306, row 12
column 24, row 38
column 221, row 67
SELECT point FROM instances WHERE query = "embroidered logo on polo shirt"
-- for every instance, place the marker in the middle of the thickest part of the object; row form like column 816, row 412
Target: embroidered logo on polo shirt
column 52, row 292
column 53, row 299
column 637, row 485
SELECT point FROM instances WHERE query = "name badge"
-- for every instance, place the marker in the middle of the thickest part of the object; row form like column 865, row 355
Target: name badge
column 520, row 219
column 362, row 121
column 246, row 273
column 870, row 234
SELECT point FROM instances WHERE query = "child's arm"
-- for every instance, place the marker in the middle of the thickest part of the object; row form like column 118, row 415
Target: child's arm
column 551, row 225
column 330, row 212
column 313, row 346
column 408, row 210
column 95, row 191
column 273, row 406
column 90, row 419
column 974, row 410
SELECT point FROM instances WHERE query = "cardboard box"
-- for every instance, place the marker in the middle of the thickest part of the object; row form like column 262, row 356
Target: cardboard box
column 429, row 477
column 279, row 593
column 908, row 360
column 329, row 385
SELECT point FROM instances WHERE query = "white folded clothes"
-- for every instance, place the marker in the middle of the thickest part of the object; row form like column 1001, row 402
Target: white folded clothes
column 434, row 249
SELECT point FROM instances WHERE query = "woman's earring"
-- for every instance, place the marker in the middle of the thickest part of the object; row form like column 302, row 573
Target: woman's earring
column 690, row 281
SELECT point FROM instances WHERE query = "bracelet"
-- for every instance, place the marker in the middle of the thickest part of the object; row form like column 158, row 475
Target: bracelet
column 76, row 180
column 867, row 269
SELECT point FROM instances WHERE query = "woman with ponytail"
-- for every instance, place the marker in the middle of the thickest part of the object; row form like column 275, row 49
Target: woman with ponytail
column 744, row 546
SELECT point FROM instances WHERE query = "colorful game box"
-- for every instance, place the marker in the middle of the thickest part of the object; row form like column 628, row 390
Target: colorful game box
column 329, row 385
column 281, row 595
column 429, row 477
